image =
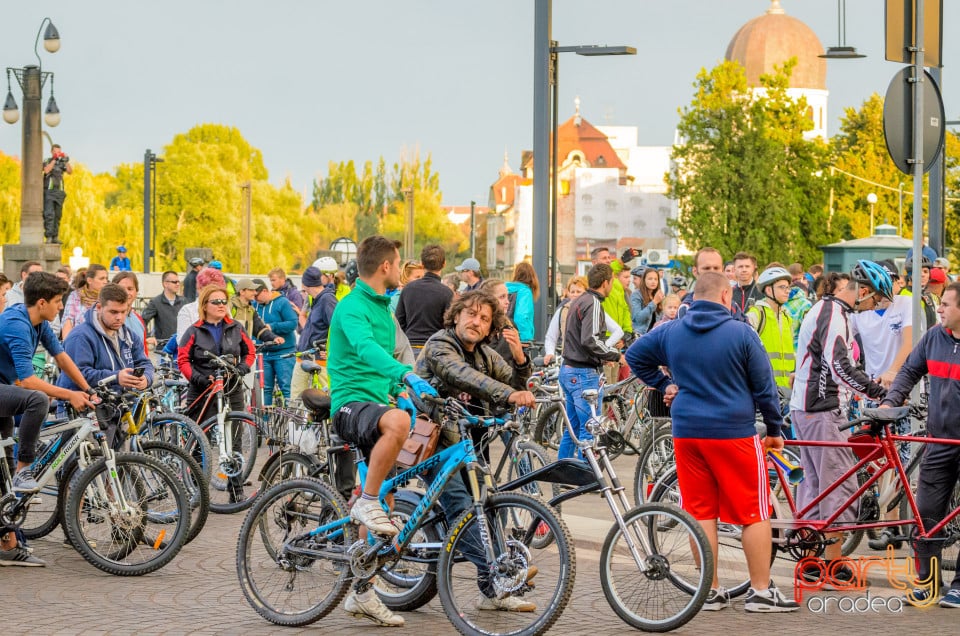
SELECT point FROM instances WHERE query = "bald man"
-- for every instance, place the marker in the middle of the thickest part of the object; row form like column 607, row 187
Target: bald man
column 720, row 376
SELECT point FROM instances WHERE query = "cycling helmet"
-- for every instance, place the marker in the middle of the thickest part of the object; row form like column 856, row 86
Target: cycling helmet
column 326, row 264
column 924, row 262
column 216, row 265
column 771, row 275
column 351, row 272
column 195, row 261
column 873, row 276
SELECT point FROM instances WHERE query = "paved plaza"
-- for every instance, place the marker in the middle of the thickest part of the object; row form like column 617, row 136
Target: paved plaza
column 199, row 594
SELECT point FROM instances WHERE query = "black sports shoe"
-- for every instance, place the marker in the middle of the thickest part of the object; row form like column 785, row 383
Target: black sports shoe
column 886, row 538
column 769, row 600
column 717, row 599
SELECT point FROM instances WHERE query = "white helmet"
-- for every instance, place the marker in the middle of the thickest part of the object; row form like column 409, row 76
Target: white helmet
column 326, row 264
column 771, row 275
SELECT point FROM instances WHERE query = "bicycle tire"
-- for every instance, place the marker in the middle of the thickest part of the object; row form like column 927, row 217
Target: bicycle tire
column 54, row 518
column 951, row 548
column 127, row 529
column 457, row 577
column 549, row 427
column 188, row 471
column 654, row 459
column 179, row 430
column 292, row 507
column 678, row 567
column 401, row 589
column 527, row 458
column 222, row 501
column 288, row 464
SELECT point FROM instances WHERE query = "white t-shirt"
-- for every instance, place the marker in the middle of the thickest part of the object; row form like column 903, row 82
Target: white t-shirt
column 882, row 335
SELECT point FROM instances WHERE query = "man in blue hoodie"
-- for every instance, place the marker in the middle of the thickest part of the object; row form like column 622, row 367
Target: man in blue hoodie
column 103, row 345
column 281, row 318
column 720, row 376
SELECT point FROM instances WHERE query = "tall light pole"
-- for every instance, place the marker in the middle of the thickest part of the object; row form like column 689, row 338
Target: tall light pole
column 31, row 80
column 150, row 162
column 872, row 200
column 545, row 89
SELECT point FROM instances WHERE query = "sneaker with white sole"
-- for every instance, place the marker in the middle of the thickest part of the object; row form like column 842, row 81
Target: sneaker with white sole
column 370, row 513
column 505, row 604
column 951, row 599
column 24, row 480
column 369, row 606
column 717, row 599
column 21, row 557
column 769, row 600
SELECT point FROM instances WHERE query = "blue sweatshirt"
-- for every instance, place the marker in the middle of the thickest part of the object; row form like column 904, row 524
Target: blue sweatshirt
column 318, row 322
column 18, row 342
column 523, row 310
column 281, row 317
column 98, row 356
column 721, row 369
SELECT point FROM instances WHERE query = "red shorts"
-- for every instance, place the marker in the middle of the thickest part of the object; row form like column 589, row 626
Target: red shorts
column 723, row 479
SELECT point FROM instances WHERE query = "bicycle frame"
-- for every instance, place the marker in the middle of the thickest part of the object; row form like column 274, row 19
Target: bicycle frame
column 882, row 448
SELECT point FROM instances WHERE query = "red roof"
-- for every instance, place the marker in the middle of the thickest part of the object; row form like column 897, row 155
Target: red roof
column 578, row 134
column 504, row 189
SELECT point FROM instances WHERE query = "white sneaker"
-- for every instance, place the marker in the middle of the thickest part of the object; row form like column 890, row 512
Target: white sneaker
column 505, row 604
column 369, row 606
column 370, row 513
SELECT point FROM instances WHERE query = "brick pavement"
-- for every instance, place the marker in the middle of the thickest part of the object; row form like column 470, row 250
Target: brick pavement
column 198, row 593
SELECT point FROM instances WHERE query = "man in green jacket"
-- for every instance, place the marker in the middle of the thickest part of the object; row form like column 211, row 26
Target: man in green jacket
column 615, row 305
column 364, row 376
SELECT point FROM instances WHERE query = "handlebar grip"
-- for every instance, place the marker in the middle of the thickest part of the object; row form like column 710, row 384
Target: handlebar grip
column 853, row 424
column 104, row 382
column 538, row 361
column 439, row 401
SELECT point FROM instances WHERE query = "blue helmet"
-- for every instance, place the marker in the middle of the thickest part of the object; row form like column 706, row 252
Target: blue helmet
column 215, row 265
column 873, row 276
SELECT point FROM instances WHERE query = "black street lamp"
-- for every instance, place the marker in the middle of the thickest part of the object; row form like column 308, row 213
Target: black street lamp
column 31, row 79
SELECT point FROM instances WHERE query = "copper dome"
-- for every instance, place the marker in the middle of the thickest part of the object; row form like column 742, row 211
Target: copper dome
column 773, row 38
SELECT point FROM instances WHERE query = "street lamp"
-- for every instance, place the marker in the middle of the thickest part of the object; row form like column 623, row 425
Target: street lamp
column 842, row 51
column 872, row 200
column 545, row 91
column 31, row 79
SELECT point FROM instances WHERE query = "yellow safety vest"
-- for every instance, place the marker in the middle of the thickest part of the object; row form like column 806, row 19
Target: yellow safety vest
column 777, row 338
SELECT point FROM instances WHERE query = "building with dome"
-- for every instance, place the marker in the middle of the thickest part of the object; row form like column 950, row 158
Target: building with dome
column 772, row 39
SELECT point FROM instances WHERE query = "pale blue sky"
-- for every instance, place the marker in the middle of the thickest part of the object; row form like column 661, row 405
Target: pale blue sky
column 311, row 82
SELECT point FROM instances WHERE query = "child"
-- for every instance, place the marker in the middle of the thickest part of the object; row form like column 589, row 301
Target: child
column 670, row 307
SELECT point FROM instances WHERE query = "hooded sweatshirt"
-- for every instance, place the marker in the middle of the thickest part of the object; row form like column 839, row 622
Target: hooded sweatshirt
column 280, row 316
column 721, row 369
column 99, row 355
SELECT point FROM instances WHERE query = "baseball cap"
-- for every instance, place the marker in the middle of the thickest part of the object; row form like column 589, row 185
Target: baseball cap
column 937, row 275
column 942, row 263
column 470, row 264
column 121, row 248
column 245, row 283
column 259, row 284
column 638, row 270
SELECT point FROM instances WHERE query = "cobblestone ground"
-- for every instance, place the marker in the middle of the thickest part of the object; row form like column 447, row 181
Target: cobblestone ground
column 198, row 593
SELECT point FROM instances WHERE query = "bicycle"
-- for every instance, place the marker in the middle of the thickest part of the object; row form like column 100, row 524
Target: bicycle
column 125, row 513
column 298, row 533
column 654, row 545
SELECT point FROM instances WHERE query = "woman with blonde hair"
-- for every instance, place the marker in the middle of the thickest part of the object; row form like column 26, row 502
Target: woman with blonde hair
column 411, row 270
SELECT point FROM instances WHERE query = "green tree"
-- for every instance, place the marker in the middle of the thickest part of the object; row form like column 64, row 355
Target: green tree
column 430, row 225
column 746, row 179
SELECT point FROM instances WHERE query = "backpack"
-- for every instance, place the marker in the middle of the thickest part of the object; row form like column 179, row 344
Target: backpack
column 512, row 307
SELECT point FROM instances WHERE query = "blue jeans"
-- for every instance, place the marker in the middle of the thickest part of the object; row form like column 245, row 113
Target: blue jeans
column 574, row 381
column 278, row 370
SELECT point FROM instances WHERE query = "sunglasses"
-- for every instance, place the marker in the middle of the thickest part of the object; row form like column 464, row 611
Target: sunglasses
column 172, row 282
column 220, row 302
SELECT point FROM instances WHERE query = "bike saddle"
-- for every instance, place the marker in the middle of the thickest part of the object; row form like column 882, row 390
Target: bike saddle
column 886, row 416
column 310, row 367
column 318, row 402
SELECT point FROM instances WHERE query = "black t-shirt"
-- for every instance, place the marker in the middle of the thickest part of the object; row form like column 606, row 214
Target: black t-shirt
column 53, row 180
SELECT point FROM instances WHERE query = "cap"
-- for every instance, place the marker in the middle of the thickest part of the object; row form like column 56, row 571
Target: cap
column 311, row 277
column 245, row 283
column 937, row 275
column 942, row 263
column 638, row 270
column 470, row 264
column 259, row 284
column 891, row 268
column 121, row 248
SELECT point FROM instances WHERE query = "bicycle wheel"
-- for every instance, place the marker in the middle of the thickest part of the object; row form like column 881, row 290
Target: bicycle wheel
column 285, row 465
column 951, row 532
column 135, row 530
column 43, row 515
column 671, row 586
column 508, row 522
column 230, row 490
column 190, row 474
column 282, row 583
column 407, row 584
column 549, row 427
column 528, row 457
column 654, row 460
column 182, row 431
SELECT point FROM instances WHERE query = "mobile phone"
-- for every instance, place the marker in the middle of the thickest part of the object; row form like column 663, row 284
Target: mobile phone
column 138, row 372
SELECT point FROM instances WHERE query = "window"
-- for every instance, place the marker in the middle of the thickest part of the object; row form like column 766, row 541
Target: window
column 636, row 201
column 639, row 223
column 612, row 227
column 611, row 180
column 587, row 199
column 586, row 176
column 587, row 220
column 611, row 204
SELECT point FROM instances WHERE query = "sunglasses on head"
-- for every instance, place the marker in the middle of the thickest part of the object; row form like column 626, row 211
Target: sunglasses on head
column 219, row 301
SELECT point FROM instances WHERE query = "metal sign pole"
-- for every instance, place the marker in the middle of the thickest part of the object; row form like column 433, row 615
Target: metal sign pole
column 918, row 79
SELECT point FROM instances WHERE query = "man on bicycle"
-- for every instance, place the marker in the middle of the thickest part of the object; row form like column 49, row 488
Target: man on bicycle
column 720, row 459
column 459, row 362
column 824, row 366
column 364, row 376
column 935, row 355
column 22, row 328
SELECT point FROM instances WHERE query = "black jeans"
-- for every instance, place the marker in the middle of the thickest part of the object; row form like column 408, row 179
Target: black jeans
column 939, row 473
column 32, row 406
column 52, row 211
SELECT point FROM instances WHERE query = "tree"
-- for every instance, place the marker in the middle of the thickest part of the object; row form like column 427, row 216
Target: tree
column 430, row 225
column 746, row 179
column 9, row 199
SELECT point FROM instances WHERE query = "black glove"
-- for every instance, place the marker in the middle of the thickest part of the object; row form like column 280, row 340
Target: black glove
column 629, row 254
column 243, row 369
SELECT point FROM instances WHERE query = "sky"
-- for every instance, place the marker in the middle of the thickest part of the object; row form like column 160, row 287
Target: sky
column 312, row 82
